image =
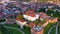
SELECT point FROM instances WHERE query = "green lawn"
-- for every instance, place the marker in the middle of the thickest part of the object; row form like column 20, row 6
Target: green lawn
column 53, row 31
column 12, row 31
column 15, row 31
column 26, row 31
column 58, row 29
column 0, row 32
column 46, row 29
column 12, row 25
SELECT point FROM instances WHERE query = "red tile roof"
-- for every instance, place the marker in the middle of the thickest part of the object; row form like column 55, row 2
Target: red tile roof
column 21, row 20
column 30, row 13
column 31, row 24
column 42, row 15
column 47, row 19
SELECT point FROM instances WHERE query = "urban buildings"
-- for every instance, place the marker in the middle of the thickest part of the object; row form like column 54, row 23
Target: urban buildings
column 55, row 1
column 24, row 18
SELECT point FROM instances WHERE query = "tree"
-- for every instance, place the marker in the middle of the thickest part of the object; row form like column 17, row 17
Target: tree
column 20, row 16
column 41, row 10
column 43, row 21
column 36, row 22
column 49, row 12
column 2, row 20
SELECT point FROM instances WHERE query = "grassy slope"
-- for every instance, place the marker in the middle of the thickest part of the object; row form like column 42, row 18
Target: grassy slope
column 0, row 32
column 46, row 29
column 13, row 31
column 59, row 28
column 53, row 31
column 12, row 25
column 26, row 31
column 17, row 26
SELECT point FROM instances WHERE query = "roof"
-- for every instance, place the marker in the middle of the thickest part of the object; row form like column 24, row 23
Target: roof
column 21, row 20
column 31, row 24
column 50, row 17
column 43, row 15
column 47, row 19
column 30, row 13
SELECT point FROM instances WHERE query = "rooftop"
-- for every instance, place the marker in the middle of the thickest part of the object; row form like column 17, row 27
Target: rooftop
column 30, row 13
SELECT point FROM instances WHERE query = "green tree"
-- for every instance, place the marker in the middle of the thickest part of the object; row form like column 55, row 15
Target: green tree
column 43, row 21
column 36, row 22
column 20, row 16
column 50, row 11
column 41, row 10
column 2, row 20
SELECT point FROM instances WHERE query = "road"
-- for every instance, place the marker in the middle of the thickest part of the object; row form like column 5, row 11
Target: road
column 3, row 23
column 53, row 27
column 56, row 29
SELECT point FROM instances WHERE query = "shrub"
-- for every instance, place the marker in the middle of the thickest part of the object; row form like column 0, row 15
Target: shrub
column 2, row 20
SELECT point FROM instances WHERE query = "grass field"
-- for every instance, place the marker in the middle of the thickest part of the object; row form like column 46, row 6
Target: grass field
column 13, row 31
column 53, row 31
column 58, row 29
column 0, row 32
column 12, row 25
column 26, row 31
column 46, row 29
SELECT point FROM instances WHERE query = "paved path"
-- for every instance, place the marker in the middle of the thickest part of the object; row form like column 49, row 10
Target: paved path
column 57, row 27
column 2, row 22
column 50, row 29
column 15, row 28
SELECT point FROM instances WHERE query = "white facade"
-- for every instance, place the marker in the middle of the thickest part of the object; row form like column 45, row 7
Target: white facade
column 21, row 24
column 31, row 18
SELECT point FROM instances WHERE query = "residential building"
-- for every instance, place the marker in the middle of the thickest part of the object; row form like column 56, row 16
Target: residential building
column 30, row 15
column 42, row 15
column 34, row 32
column 31, row 24
column 34, row 0
column 10, row 21
column 21, row 23
column 54, row 1
column 53, row 20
